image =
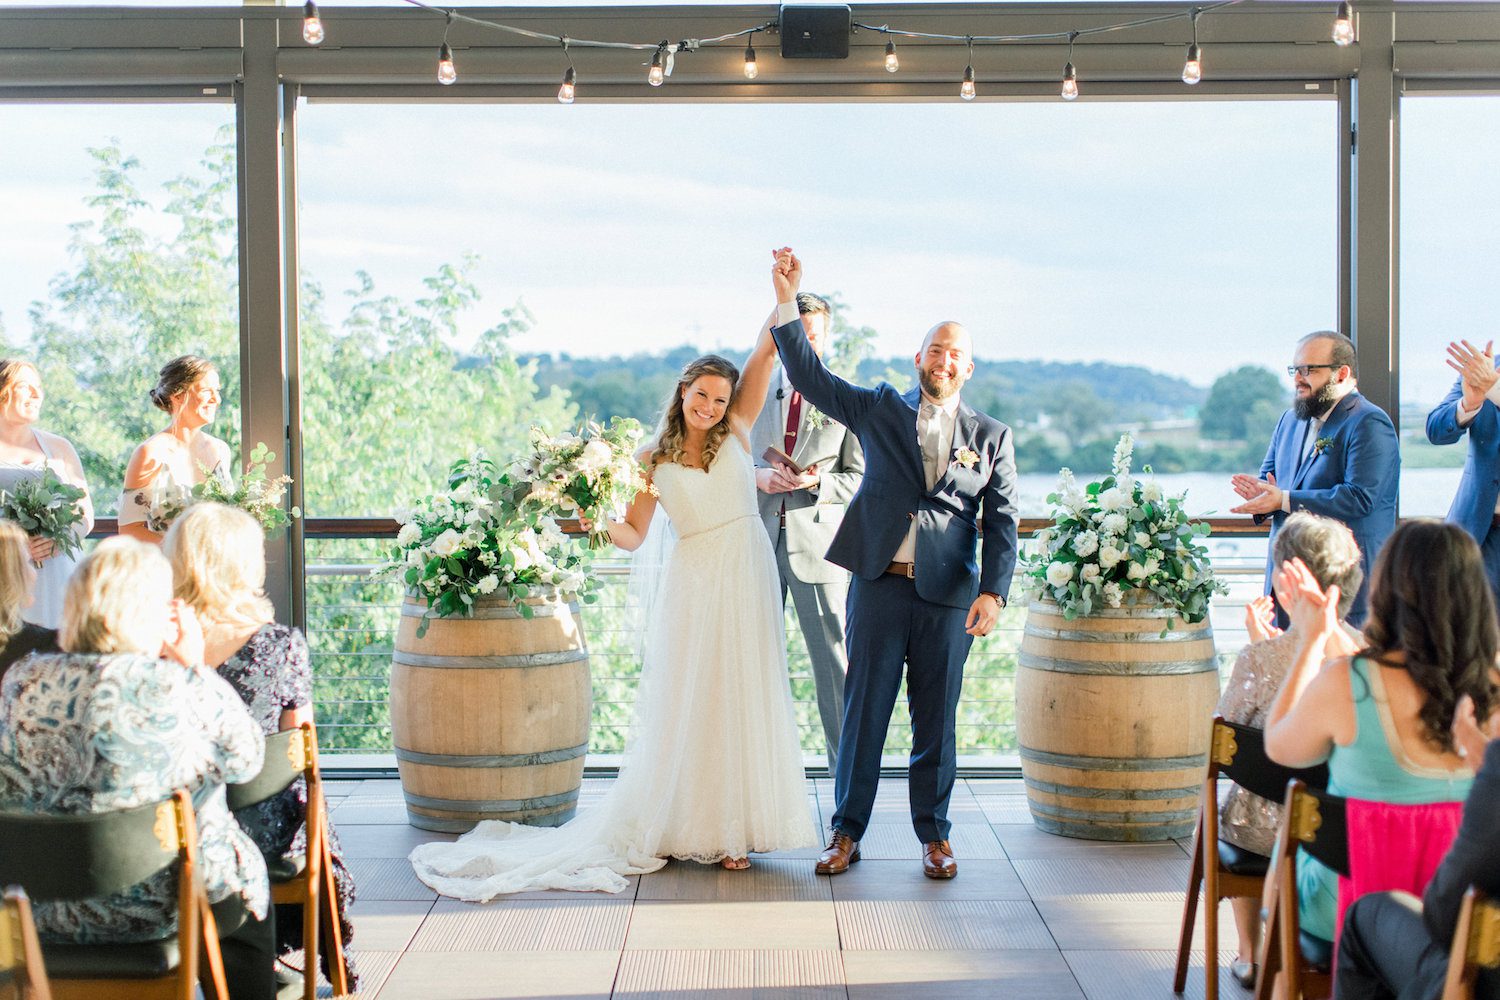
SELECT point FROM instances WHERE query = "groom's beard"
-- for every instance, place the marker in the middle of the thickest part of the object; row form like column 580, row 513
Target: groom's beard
column 1315, row 404
column 938, row 391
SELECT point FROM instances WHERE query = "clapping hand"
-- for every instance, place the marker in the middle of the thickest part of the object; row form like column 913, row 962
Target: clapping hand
column 1264, row 496
column 184, row 638
column 1475, row 368
column 1260, row 619
column 1314, row 611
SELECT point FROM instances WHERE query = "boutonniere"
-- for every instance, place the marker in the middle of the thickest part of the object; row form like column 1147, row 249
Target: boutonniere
column 967, row 457
column 817, row 419
column 1321, row 445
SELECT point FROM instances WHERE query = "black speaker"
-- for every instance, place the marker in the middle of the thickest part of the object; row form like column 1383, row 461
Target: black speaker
column 816, row 31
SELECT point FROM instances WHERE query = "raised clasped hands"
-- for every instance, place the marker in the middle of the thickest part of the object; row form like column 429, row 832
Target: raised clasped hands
column 1475, row 368
column 786, row 274
column 1260, row 619
column 1262, row 496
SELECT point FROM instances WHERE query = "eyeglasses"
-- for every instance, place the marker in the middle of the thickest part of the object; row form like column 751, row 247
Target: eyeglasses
column 1306, row 370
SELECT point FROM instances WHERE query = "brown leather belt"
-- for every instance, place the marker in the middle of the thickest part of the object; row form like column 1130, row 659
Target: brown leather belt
column 908, row 570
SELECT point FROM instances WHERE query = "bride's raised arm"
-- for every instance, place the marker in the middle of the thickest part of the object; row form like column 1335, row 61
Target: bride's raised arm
column 755, row 378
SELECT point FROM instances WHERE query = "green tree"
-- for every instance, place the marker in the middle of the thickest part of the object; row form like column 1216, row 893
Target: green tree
column 1238, row 403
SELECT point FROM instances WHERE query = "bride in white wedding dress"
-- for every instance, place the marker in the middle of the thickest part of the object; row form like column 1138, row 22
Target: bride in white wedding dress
column 713, row 769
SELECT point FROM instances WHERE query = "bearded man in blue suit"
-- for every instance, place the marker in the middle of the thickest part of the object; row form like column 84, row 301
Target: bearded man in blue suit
column 930, row 539
column 1334, row 453
column 1470, row 408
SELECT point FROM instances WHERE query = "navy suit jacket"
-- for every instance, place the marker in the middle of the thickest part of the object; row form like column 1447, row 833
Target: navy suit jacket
column 1353, row 479
column 895, row 490
column 1474, row 505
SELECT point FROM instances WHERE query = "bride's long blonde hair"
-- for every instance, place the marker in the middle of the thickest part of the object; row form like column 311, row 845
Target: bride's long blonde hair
column 671, row 431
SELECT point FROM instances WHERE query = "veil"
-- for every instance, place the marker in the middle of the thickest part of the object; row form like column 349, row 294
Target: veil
column 648, row 566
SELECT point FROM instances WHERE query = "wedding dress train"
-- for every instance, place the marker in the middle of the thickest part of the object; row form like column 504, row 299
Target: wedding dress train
column 713, row 766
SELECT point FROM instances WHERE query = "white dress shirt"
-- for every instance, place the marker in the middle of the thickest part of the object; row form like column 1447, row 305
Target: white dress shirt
column 947, row 417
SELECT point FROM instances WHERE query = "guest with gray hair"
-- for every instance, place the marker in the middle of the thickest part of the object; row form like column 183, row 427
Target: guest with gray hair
column 1247, row 822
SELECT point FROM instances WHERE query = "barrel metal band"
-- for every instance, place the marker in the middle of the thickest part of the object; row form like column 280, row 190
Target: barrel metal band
column 1197, row 760
column 515, row 660
column 1127, row 834
column 491, row 805
column 1115, row 668
column 1094, row 792
column 1041, row 809
column 1149, row 633
column 550, row 610
column 491, row 760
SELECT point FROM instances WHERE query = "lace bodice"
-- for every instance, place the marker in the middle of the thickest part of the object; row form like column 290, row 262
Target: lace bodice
column 699, row 501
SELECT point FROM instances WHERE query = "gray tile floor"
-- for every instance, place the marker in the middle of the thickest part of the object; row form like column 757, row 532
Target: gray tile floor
column 1030, row 916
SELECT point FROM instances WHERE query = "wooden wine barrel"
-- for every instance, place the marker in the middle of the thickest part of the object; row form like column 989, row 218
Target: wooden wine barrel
column 1112, row 717
column 490, row 714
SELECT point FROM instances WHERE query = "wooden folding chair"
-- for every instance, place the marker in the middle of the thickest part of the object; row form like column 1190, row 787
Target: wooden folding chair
column 1316, row 822
column 1476, row 945
column 307, row 880
column 1238, row 753
column 93, row 855
column 23, row 975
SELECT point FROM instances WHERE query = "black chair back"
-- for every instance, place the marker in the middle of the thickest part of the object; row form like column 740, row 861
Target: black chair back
column 285, row 762
column 1242, row 759
column 64, row 858
column 1320, row 826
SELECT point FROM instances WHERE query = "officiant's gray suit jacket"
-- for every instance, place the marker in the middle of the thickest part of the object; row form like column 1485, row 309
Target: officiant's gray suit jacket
column 812, row 517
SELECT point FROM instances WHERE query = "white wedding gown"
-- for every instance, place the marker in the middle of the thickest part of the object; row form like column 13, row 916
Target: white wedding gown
column 713, row 768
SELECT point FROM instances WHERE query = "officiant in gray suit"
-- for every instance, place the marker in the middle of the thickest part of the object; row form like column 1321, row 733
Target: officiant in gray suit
column 803, row 510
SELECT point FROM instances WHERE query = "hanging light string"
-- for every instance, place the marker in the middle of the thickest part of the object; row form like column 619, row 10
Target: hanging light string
column 663, row 52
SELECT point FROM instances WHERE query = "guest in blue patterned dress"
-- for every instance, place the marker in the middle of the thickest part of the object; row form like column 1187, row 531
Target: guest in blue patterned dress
column 122, row 718
column 219, row 570
column 18, row 637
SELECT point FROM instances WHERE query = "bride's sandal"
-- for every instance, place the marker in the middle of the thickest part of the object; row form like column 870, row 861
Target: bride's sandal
column 734, row 864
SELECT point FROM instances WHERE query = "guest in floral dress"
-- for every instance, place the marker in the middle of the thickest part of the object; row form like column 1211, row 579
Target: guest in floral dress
column 219, row 568
column 18, row 637
column 1247, row 821
column 124, row 717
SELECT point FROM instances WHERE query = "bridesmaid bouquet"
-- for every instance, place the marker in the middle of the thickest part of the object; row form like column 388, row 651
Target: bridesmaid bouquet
column 1121, row 534
column 46, row 507
column 257, row 494
column 472, row 541
column 593, row 474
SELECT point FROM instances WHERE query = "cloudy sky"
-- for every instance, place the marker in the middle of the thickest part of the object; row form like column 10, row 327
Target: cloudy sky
column 1189, row 237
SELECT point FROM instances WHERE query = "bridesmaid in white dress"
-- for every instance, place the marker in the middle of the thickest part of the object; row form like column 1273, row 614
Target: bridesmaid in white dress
column 25, row 452
column 713, row 768
column 170, row 463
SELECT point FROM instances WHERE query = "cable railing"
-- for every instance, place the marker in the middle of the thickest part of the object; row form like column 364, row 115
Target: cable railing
column 352, row 619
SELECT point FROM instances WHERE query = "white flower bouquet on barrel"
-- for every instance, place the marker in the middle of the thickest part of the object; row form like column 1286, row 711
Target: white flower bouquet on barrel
column 1118, row 535
column 472, row 541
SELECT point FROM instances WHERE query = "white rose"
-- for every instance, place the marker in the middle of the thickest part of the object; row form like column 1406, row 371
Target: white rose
column 1090, row 573
column 408, row 535
column 1113, row 594
column 414, row 558
column 446, row 544
column 1059, row 573
column 1142, row 539
column 522, row 556
column 1086, row 543
column 1152, row 566
column 472, row 517
column 1136, row 571
column 1109, row 556
column 488, row 584
column 596, row 455
column 1115, row 524
column 1112, row 499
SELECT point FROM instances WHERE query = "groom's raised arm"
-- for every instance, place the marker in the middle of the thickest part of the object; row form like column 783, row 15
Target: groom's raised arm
column 841, row 400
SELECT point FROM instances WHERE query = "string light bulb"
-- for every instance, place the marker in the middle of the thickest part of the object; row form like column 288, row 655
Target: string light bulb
column 1070, row 73
column 569, row 88
column 312, row 24
column 447, row 72
column 657, row 74
column 751, row 70
column 967, row 91
column 1192, row 69
column 891, row 62
column 1343, row 25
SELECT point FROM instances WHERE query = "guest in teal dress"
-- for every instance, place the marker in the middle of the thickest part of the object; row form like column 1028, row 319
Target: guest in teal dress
column 1381, row 714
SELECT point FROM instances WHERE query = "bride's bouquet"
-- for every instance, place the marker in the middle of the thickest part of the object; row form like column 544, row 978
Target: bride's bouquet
column 593, row 474
column 472, row 541
column 1117, row 535
column 257, row 494
column 46, row 507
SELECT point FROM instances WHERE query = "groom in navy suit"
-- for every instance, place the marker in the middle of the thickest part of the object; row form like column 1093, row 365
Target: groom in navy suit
column 1470, row 408
column 940, row 482
column 1334, row 453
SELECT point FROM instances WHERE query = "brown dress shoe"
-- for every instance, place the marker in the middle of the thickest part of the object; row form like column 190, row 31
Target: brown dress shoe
column 841, row 852
column 937, row 860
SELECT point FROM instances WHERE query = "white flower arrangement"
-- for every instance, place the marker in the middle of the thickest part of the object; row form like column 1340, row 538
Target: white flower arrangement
column 593, row 474
column 1121, row 534
column 471, row 542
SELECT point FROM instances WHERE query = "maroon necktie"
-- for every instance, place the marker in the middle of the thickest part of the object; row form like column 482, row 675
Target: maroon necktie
column 793, row 420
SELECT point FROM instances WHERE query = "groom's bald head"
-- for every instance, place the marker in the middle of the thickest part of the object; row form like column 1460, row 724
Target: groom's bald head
column 945, row 361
